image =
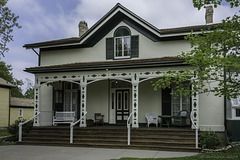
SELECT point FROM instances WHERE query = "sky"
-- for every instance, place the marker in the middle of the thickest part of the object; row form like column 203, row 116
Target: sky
column 44, row 20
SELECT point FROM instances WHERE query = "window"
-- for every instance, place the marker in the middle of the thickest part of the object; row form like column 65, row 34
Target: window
column 179, row 103
column 122, row 45
column 70, row 96
column 237, row 112
column 20, row 112
column 235, row 101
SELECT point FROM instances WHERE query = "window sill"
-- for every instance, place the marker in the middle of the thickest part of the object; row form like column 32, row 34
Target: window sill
column 125, row 57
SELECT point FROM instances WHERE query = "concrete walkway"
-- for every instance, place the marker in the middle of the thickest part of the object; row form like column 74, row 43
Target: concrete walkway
column 22, row 152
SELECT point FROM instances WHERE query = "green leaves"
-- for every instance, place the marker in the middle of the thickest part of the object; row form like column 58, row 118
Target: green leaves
column 214, row 62
column 8, row 21
column 200, row 3
column 6, row 73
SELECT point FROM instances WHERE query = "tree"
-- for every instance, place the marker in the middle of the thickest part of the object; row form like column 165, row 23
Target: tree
column 30, row 91
column 200, row 3
column 214, row 60
column 5, row 73
column 8, row 20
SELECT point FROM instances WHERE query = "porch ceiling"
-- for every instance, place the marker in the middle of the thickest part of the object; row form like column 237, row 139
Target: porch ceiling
column 118, row 64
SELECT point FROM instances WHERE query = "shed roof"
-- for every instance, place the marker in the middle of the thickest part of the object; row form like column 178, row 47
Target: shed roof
column 21, row 102
column 6, row 84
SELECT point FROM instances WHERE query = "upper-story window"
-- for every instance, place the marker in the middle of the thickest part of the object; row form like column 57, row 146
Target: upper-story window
column 123, row 45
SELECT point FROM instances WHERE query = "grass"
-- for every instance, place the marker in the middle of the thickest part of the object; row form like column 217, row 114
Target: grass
column 4, row 132
column 232, row 154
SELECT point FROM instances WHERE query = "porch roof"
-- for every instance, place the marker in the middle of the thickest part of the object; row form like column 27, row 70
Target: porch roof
column 117, row 64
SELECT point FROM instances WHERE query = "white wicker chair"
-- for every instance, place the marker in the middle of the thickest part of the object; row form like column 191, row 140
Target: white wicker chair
column 152, row 118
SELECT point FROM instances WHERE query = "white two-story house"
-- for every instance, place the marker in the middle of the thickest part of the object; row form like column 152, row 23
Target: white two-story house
column 109, row 69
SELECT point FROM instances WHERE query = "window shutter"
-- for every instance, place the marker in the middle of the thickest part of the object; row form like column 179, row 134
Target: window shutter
column 109, row 48
column 134, row 46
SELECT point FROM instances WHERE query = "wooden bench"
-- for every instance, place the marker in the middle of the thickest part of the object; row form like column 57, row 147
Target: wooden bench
column 63, row 117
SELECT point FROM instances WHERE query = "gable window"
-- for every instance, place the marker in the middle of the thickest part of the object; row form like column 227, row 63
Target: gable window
column 122, row 45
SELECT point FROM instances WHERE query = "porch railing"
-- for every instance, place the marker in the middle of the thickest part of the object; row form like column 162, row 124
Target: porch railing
column 196, row 128
column 73, row 124
column 21, row 124
column 129, row 127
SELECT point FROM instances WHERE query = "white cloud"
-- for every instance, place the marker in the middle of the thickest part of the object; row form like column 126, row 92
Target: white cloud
column 46, row 21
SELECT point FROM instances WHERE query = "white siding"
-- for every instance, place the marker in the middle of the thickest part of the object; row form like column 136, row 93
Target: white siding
column 97, row 99
column 147, row 49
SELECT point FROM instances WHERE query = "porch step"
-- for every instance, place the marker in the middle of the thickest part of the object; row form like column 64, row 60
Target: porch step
column 171, row 139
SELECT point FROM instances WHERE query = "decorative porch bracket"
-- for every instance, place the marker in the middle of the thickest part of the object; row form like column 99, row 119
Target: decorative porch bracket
column 83, row 103
column 135, row 85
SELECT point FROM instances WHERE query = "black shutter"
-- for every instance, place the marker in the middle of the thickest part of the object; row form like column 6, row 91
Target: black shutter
column 134, row 46
column 109, row 48
column 166, row 101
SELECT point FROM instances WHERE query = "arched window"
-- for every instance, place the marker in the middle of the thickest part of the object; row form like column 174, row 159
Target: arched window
column 122, row 31
column 122, row 45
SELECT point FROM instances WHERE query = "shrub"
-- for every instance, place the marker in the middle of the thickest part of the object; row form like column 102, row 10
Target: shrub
column 14, row 129
column 209, row 139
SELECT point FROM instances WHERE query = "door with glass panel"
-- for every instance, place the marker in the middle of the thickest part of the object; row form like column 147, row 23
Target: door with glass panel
column 122, row 106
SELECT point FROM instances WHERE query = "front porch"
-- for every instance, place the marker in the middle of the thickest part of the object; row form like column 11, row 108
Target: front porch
column 114, row 95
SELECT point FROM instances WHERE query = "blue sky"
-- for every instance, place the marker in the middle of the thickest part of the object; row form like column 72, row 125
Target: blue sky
column 44, row 20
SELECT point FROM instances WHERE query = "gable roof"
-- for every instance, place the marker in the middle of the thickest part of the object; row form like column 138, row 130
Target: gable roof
column 6, row 84
column 117, row 14
column 117, row 64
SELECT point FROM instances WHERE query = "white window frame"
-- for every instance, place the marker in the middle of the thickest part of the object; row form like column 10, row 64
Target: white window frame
column 235, row 102
column 115, row 50
column 180, row 103
column 20, row 113
column 70, row 91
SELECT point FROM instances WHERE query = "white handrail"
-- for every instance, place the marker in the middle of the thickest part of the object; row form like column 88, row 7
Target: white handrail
column 73, row 124
column 129, row 127
column 196, row 128
column 21, row 124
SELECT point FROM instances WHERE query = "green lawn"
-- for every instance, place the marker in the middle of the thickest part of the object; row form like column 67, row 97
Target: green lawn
column 4, row 132
column 232, row 154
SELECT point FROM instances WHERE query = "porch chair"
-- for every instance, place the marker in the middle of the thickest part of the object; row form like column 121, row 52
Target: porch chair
column 99, row 118
column 181, row 118
column 152, row 118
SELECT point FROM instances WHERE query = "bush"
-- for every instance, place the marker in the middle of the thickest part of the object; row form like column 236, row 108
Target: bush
column 209, row 140
column 14, row 129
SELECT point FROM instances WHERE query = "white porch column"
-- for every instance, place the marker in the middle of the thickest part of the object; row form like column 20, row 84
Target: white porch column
column 36, row 105
column 135, row 84
column 83, row 103
column 195, row 108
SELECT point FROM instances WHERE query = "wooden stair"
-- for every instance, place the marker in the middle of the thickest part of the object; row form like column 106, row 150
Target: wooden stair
column 164, row 139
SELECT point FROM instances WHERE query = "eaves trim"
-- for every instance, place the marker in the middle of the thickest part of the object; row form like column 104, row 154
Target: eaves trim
column 106, row 66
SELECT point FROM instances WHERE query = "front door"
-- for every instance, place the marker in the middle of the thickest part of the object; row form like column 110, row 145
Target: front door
column 122, row 106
